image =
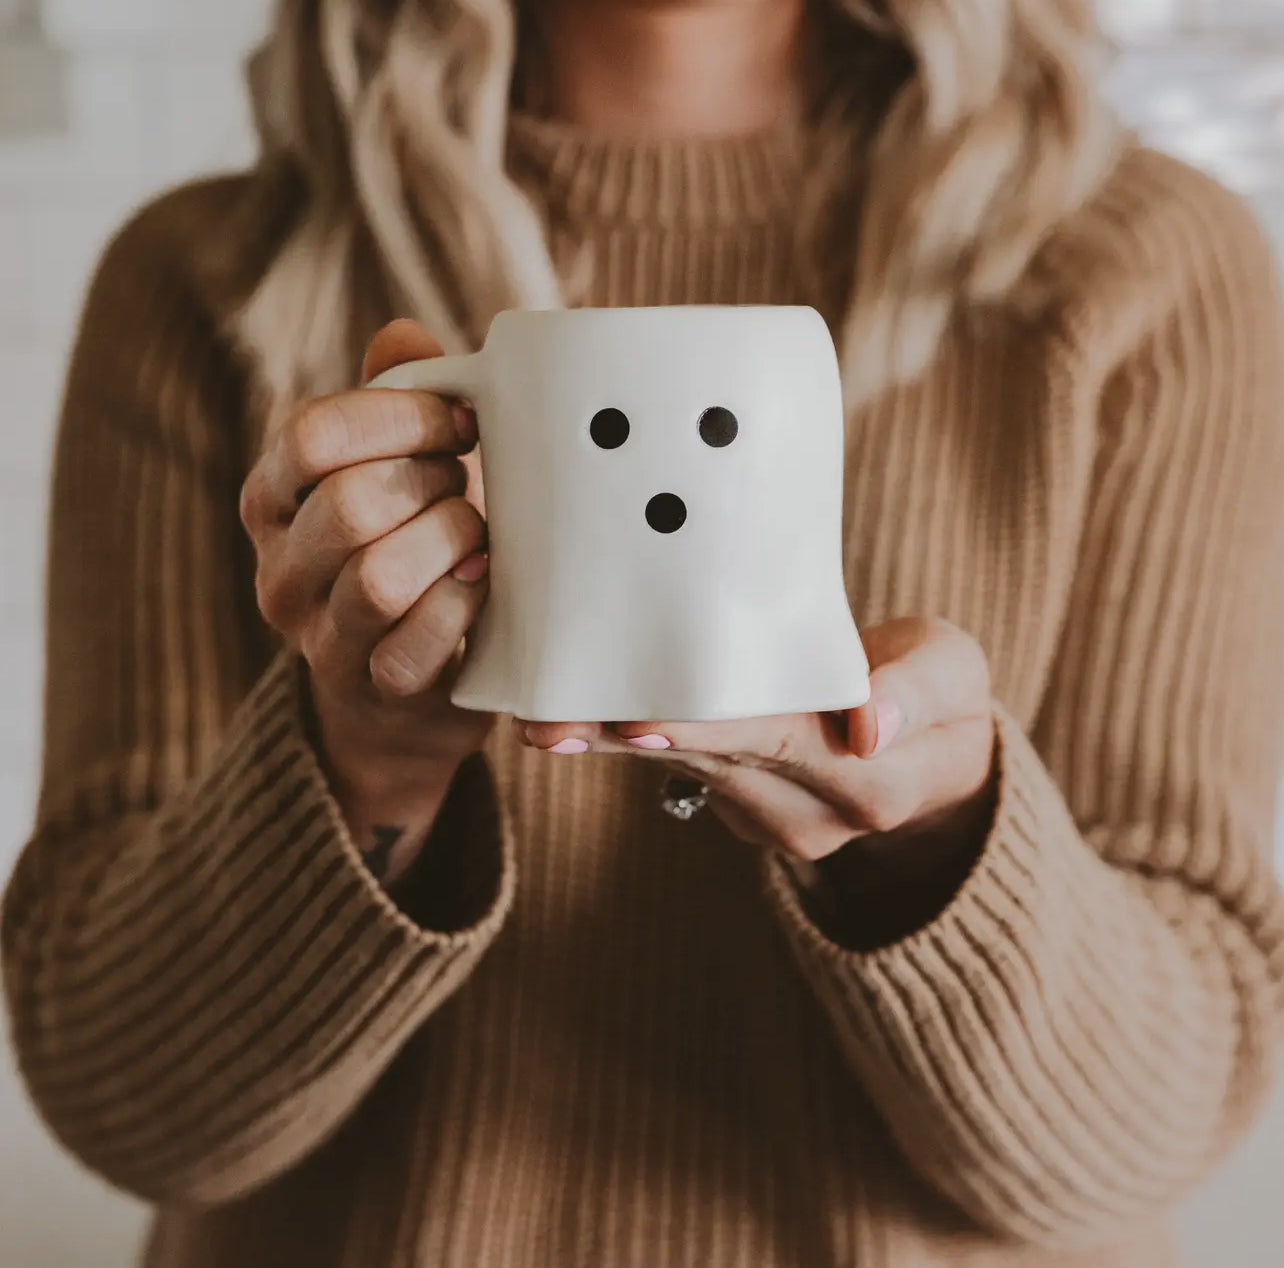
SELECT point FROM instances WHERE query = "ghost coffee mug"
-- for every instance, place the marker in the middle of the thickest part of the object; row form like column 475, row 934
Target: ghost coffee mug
column 664, row 498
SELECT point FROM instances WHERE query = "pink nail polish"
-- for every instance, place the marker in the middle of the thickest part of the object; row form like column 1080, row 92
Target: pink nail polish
column 569, row 745
column 471, row 569
column 890, row 720
column 650, row 741
column 465, row 422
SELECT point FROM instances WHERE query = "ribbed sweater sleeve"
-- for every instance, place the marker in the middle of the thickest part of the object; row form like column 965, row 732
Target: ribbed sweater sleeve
column 203, row 977
column 1082, row 1031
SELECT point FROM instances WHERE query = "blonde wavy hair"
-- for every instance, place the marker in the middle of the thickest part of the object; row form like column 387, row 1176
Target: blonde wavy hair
column 392, row 116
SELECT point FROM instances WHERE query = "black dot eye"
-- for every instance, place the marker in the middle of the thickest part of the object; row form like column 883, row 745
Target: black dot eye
column 609, row 428
column 718, row 427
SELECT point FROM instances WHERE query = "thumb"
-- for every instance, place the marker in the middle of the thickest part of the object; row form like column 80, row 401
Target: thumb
column 872, row 726
column 398, row 342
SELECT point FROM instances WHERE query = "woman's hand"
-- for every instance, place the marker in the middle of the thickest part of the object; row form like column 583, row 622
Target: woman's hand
column 370, row 563
column 917, row 758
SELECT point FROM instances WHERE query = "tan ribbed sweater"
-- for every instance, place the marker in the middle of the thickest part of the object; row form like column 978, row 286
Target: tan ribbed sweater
column 592, row 1035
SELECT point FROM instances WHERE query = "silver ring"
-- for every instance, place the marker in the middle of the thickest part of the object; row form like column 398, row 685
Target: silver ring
column 683, row 798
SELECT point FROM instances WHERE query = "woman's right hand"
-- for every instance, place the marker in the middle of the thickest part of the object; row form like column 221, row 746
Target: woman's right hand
column 370, row 563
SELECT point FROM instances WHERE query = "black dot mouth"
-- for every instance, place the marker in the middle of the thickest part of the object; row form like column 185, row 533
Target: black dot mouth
column 666, row 512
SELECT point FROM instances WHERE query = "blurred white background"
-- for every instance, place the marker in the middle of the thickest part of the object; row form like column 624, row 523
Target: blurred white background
column 103, row 102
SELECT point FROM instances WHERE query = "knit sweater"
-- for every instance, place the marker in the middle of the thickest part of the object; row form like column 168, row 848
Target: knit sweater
column 590, row 1034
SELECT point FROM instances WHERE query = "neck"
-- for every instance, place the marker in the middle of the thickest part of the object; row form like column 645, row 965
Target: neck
column 663, row 68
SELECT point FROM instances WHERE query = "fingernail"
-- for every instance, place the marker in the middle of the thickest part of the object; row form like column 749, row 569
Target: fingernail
column 890, row 719
column 471, row 569
column 569, row 745
column 649, row 741
column 465, row 421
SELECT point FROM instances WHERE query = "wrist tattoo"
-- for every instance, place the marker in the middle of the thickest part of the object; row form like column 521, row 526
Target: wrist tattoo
column 378, row 855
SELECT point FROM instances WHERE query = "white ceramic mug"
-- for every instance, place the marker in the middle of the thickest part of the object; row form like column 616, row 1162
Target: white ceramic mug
column 664, row 497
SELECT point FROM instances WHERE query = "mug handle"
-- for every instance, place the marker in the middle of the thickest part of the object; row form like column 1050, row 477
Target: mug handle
column 451, row 376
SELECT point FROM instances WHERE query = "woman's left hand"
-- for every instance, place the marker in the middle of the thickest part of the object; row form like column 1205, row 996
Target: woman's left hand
column 919, row 753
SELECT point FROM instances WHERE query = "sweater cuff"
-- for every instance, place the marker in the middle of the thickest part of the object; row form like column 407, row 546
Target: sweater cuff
column 1004, row 947
column 1018, row 1046
column 348, row 973
column 282, row 802
column 343, row 976
column 259, row 980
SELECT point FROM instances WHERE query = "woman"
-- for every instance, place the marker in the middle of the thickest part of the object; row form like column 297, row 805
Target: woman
column 338, row 975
